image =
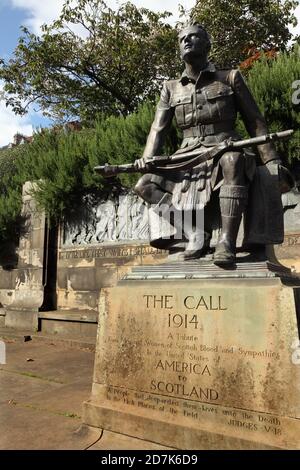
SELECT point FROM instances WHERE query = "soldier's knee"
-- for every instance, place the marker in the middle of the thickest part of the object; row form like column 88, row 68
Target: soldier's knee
column 232, row 159
column 143, row 187
column 233, row 168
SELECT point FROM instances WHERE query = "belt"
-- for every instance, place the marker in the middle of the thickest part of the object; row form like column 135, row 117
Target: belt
column 204, row 130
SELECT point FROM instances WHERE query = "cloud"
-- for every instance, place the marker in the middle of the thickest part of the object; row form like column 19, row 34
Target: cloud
column 296, row 30
column 40, row 12
column 10, row 124
column 158, row 5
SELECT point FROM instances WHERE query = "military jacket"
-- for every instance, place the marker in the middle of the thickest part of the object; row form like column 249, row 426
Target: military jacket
column 206, row 111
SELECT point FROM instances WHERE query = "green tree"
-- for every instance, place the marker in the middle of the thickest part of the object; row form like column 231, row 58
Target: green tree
column 271, row 82
column 61, row 162
column 10, row 194
column 91, row 59
column 239, row 27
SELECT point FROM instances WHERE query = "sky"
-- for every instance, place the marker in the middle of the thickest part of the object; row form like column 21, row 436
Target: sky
column 33, row 13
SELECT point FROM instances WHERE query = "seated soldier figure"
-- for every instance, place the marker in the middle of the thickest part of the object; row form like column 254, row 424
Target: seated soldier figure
column 205, row 102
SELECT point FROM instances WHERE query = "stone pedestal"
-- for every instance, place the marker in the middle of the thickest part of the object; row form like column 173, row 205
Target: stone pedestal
column 200, row 358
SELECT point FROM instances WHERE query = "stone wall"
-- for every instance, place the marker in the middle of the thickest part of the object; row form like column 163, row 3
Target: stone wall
column 83, row 271
column 98, row 247
column 289, row 252
column 22, row 288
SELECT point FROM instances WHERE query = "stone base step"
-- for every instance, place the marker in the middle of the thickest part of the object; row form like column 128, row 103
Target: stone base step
column 204, row 270
column 76, row 342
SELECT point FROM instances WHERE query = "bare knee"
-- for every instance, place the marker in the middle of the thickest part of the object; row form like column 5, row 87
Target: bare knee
column 233, row 167
column 145, row 188
column 140, row 185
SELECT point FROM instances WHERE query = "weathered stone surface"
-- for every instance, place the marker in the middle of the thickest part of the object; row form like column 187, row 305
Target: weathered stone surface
column 78, row 323
column 289, row 252
column 25, row 294
column 69, row 328
column 83, row 272
column 21, row 319
column 199, row 364
column 84, row 269
column 77, row 300
column 87, row 265
column 6, row 279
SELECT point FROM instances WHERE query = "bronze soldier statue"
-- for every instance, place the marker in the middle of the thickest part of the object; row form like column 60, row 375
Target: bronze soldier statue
column 205, row 102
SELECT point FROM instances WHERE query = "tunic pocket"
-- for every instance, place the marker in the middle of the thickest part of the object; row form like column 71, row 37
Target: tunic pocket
column 183, row 105
column 220, row 101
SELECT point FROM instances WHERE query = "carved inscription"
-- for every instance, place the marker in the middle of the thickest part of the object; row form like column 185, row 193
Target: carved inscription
column 123, row 251
column 184, row 354
column 207, row 355
column 191, row 411
column 291, row 240
column 179, row 359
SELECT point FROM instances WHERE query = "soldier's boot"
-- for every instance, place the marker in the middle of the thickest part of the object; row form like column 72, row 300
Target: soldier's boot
column 197, row 238
column 233, row 200
column 167, row 222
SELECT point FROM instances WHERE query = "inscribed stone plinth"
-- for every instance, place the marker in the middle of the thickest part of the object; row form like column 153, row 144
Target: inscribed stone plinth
column 199, row 364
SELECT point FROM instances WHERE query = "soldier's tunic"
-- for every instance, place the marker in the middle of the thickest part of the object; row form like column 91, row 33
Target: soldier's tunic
column 206, row 111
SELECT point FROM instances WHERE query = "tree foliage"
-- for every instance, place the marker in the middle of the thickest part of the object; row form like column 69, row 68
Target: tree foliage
column 91, row 59
column 271, row 82
column 239, row 27
column 61, row 162
column 94, row 60
column 10, row 193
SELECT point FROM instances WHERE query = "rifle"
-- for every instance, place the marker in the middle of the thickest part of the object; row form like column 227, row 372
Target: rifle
column 187, row 160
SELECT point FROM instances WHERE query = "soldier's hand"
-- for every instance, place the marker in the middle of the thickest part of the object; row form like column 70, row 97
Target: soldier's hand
column 140, row 164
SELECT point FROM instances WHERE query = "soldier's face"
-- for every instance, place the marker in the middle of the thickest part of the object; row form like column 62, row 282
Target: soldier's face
column 192, row 43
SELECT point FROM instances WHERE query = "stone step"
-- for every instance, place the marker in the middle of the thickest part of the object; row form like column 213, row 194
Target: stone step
column 70, row 315
column 75, row 342
column 201, row 270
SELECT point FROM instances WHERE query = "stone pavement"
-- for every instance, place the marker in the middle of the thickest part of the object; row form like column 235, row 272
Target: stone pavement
column 42, row 387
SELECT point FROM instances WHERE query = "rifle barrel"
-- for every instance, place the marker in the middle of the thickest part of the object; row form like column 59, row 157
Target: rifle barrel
column 189, row 159
column 263, row 139
column 113, row 170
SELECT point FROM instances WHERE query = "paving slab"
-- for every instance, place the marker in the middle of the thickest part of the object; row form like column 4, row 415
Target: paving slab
column 49, row 362
column 114, row 441
column 75, row 342
column 33, row 429
column 16, row 387
column 70, row 399
column 41, row 400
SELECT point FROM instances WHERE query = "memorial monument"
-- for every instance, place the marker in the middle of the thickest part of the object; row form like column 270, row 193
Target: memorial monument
column 202, row 352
